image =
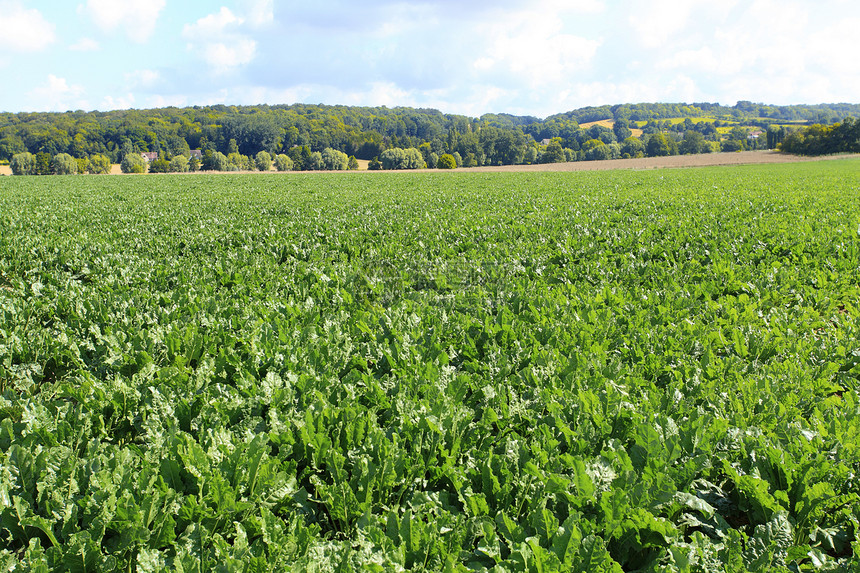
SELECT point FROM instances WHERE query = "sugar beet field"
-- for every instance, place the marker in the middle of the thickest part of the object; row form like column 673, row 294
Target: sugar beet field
column 613, row 371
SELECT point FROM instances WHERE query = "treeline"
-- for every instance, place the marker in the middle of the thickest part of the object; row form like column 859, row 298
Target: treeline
column 743, row 111
column 231, row 137
column 824, row 139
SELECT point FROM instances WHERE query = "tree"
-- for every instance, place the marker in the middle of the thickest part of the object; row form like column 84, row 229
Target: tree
column 10, row 146
column 315, row 162
column 238, row 162
column 446, row 161
column 219, row 162
column 194, row 164
column 622, row 130
column 99, row 164
column 43, row 164
column 732, row 145
column 263, row 161
column 353, row 163
column 632, row 147
column 374, row 164
column 694, row 142
column 283, row 162
column 83, row 164
column 657, row 146
column 133, row 163
column 530, row 156
column 23, row 163
column 160, row 166
column 126, row 149
column 179, row 164
column 334, row 160
column 553, row 153
column 398, row 158
column 775, row 135
column 597, row 151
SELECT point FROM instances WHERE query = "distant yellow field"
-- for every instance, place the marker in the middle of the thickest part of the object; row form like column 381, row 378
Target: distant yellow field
column 608, row 123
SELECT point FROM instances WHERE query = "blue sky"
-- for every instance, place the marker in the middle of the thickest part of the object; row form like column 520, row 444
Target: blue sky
column 525, row 57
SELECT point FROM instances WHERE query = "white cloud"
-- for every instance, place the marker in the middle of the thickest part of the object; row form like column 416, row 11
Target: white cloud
column 137, row 18
column 534, row 47
column 219, row 42
column 57, row 95
column 167, row 101
column 120, row 102
column 85, row 45
column 258, row 12
column 142, row 78
column 23, row 30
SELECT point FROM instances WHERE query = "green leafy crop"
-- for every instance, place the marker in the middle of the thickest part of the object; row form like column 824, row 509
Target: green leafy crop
column 614, row 371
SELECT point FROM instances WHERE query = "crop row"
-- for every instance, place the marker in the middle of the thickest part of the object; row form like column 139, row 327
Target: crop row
column 586, row 371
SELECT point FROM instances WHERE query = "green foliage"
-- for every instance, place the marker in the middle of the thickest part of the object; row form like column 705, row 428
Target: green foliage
column 99, row 164
column 179, row 164
column 493, row 139
column 694, row 142
column 633, row 147
column 263, row 161
column 352, row 164
column 731, row 145
column 315, row 162
column 334, row 160
column 64, row 164
column 238, row 162
column 43, row 162
column 214, row 161
column 11, row 145
column 446, row 161
column 608, row 371
column 553, row 153
column 820, row 139
column 23, row 164
column 133, row 163
column 397, row 158
column 160, row 165
column 657, row 146
column 283, row 162
column 374, row 164
column 82, row 164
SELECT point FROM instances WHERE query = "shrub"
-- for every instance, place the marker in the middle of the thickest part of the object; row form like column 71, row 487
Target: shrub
column 447, row 161
column 83, row 164
column 99, row 164
column 23, row 163
column 397, row 158
column 133, row 163
column 283, row 162
column 334, row 160
column 64, row 164
column 263, row 161
column 179, row 164
column 159, row 166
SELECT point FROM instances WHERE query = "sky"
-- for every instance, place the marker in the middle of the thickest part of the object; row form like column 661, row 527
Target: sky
column 470, row 57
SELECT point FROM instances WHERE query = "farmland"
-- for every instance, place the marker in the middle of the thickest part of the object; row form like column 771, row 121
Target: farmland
column 602, row 371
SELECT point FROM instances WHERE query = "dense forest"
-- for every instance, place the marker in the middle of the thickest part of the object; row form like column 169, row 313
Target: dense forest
column 303, row 137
